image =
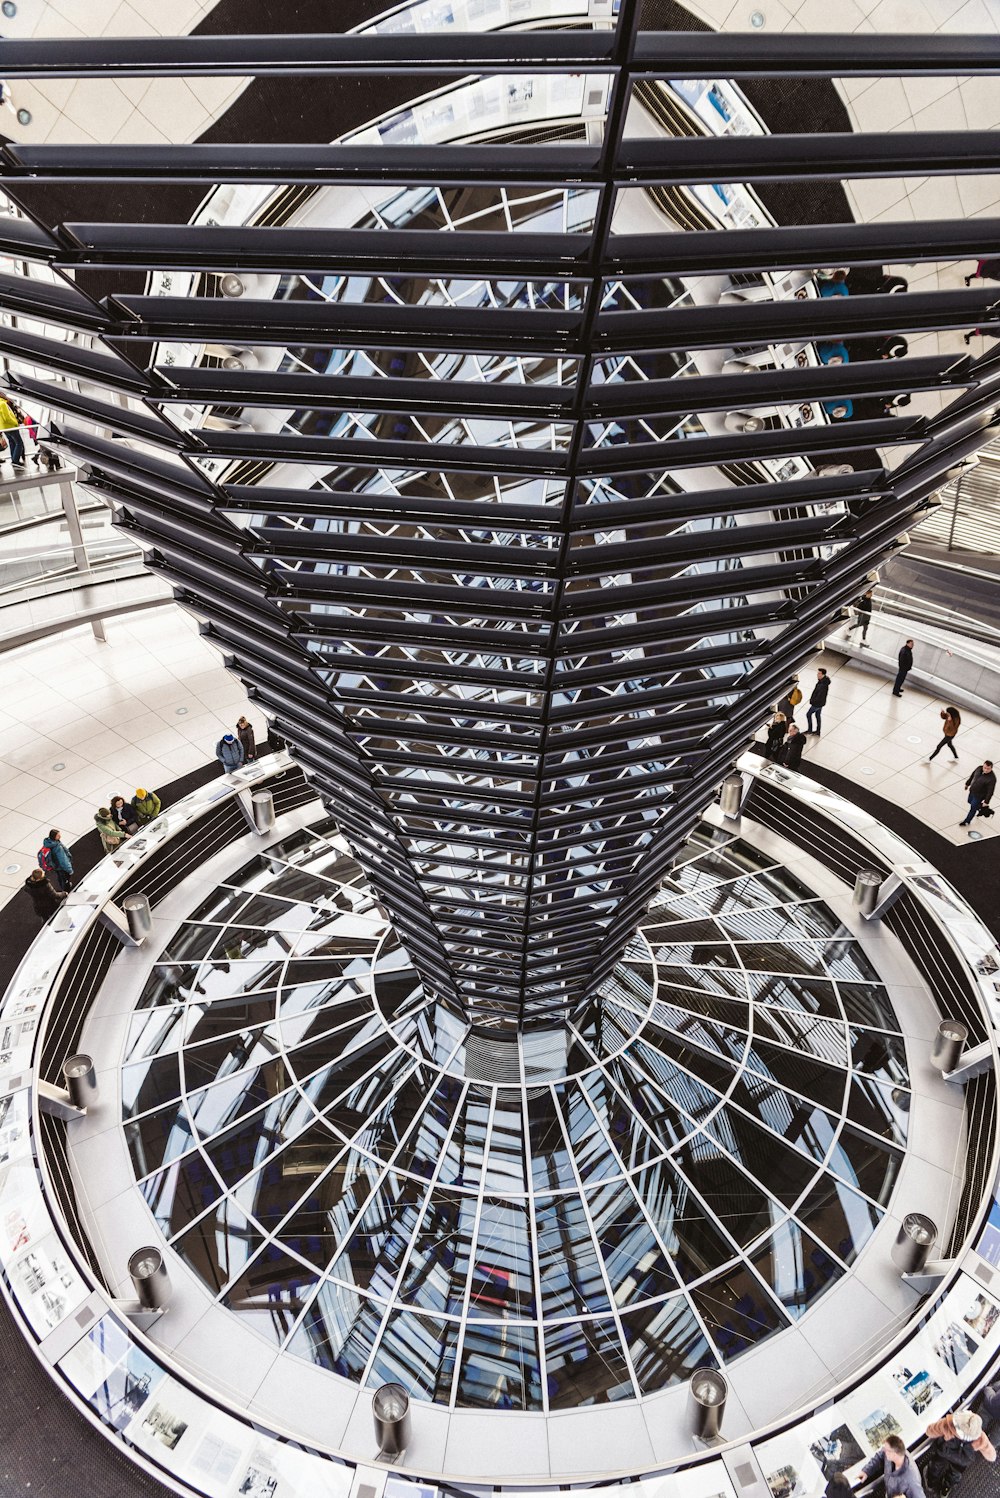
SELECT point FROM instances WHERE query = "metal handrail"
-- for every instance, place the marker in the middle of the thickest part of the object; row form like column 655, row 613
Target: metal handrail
column 904, row 605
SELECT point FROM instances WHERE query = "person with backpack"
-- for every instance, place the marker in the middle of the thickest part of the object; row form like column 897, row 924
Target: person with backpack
column 951, row 720
column 43, row 894
column 55, row 862
column 111, row 834
column 145, row 806
column 791, row 700
column 9, row 428
column 980, row 785
column 957, row 1440
column 229, row 753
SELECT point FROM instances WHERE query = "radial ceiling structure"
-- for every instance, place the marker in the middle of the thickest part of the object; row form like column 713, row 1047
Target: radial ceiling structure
column 444, row 441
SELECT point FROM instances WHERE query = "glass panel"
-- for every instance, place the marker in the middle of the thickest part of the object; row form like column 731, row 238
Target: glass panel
column 666, row 1344
column 737, row 1311
column 796, row 1267
column 585, row 1364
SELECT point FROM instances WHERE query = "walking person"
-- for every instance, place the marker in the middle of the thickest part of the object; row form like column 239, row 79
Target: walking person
column 986, row 270
column 864, row 614
column 54, row 859
column 980, row 785
column 776, row 730
column 905, row 659
column 897, row 1467
column 43, row 894
column 9, row 425
column 245, row 734
column 229, row 753
column 817, row 702
column 951, row 718
column 111, row 834
column 145, row 806
column 790, row 754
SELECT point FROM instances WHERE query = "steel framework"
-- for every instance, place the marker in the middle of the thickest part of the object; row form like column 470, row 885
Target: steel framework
column 512, row 640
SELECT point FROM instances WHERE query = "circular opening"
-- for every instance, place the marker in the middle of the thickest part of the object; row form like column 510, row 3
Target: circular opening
column 24, row 116
column 60, row 764
column 77, row 1066
column 757, row 19
column 231, row 286
column 144, row 1262
column 180, row 711
column 953, row 1032
column 9, row 8
column 12, row 868
column 391, row 1402
column 919, row 1229
column 709, row 1387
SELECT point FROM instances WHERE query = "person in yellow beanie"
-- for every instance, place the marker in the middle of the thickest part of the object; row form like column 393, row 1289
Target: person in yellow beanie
column 146, row 805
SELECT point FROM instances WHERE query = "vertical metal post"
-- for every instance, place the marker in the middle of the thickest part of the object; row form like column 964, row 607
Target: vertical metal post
column 81, row 559
column 954, row 510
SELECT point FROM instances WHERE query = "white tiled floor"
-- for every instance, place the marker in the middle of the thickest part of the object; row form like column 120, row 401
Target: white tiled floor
column 142, row 710
column 882, row 743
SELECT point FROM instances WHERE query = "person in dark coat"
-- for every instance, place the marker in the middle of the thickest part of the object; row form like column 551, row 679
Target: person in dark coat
column 43, row 894
column 776, row 730
column 864, row 614
column 817, row 702
column 905, row 659
column 790, row 753
column 980, row 785
column 245, row 734
column 123, row 816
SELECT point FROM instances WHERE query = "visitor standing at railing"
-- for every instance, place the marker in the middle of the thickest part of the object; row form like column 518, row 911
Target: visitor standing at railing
column 864, row 614
column 10, row 428
column 905, row 659
column 897, row 1467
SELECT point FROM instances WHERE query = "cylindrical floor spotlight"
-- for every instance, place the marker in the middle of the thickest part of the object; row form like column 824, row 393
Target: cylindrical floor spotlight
column 914, row 1241
column 391, row 1414
column 150, row 1278
column 731, row 795
column 81, row 1081
column 708, row 1391
column 138, row 915
column 949, row 1043
column 263, row 810
column 867, row 884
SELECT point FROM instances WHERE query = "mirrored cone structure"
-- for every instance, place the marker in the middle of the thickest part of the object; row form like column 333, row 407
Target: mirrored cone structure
column 460, row 507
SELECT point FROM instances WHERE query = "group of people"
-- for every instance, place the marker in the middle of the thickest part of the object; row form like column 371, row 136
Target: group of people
column 785, row 741
column 51, row 882
column 235, row 749
column 956, row 1441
